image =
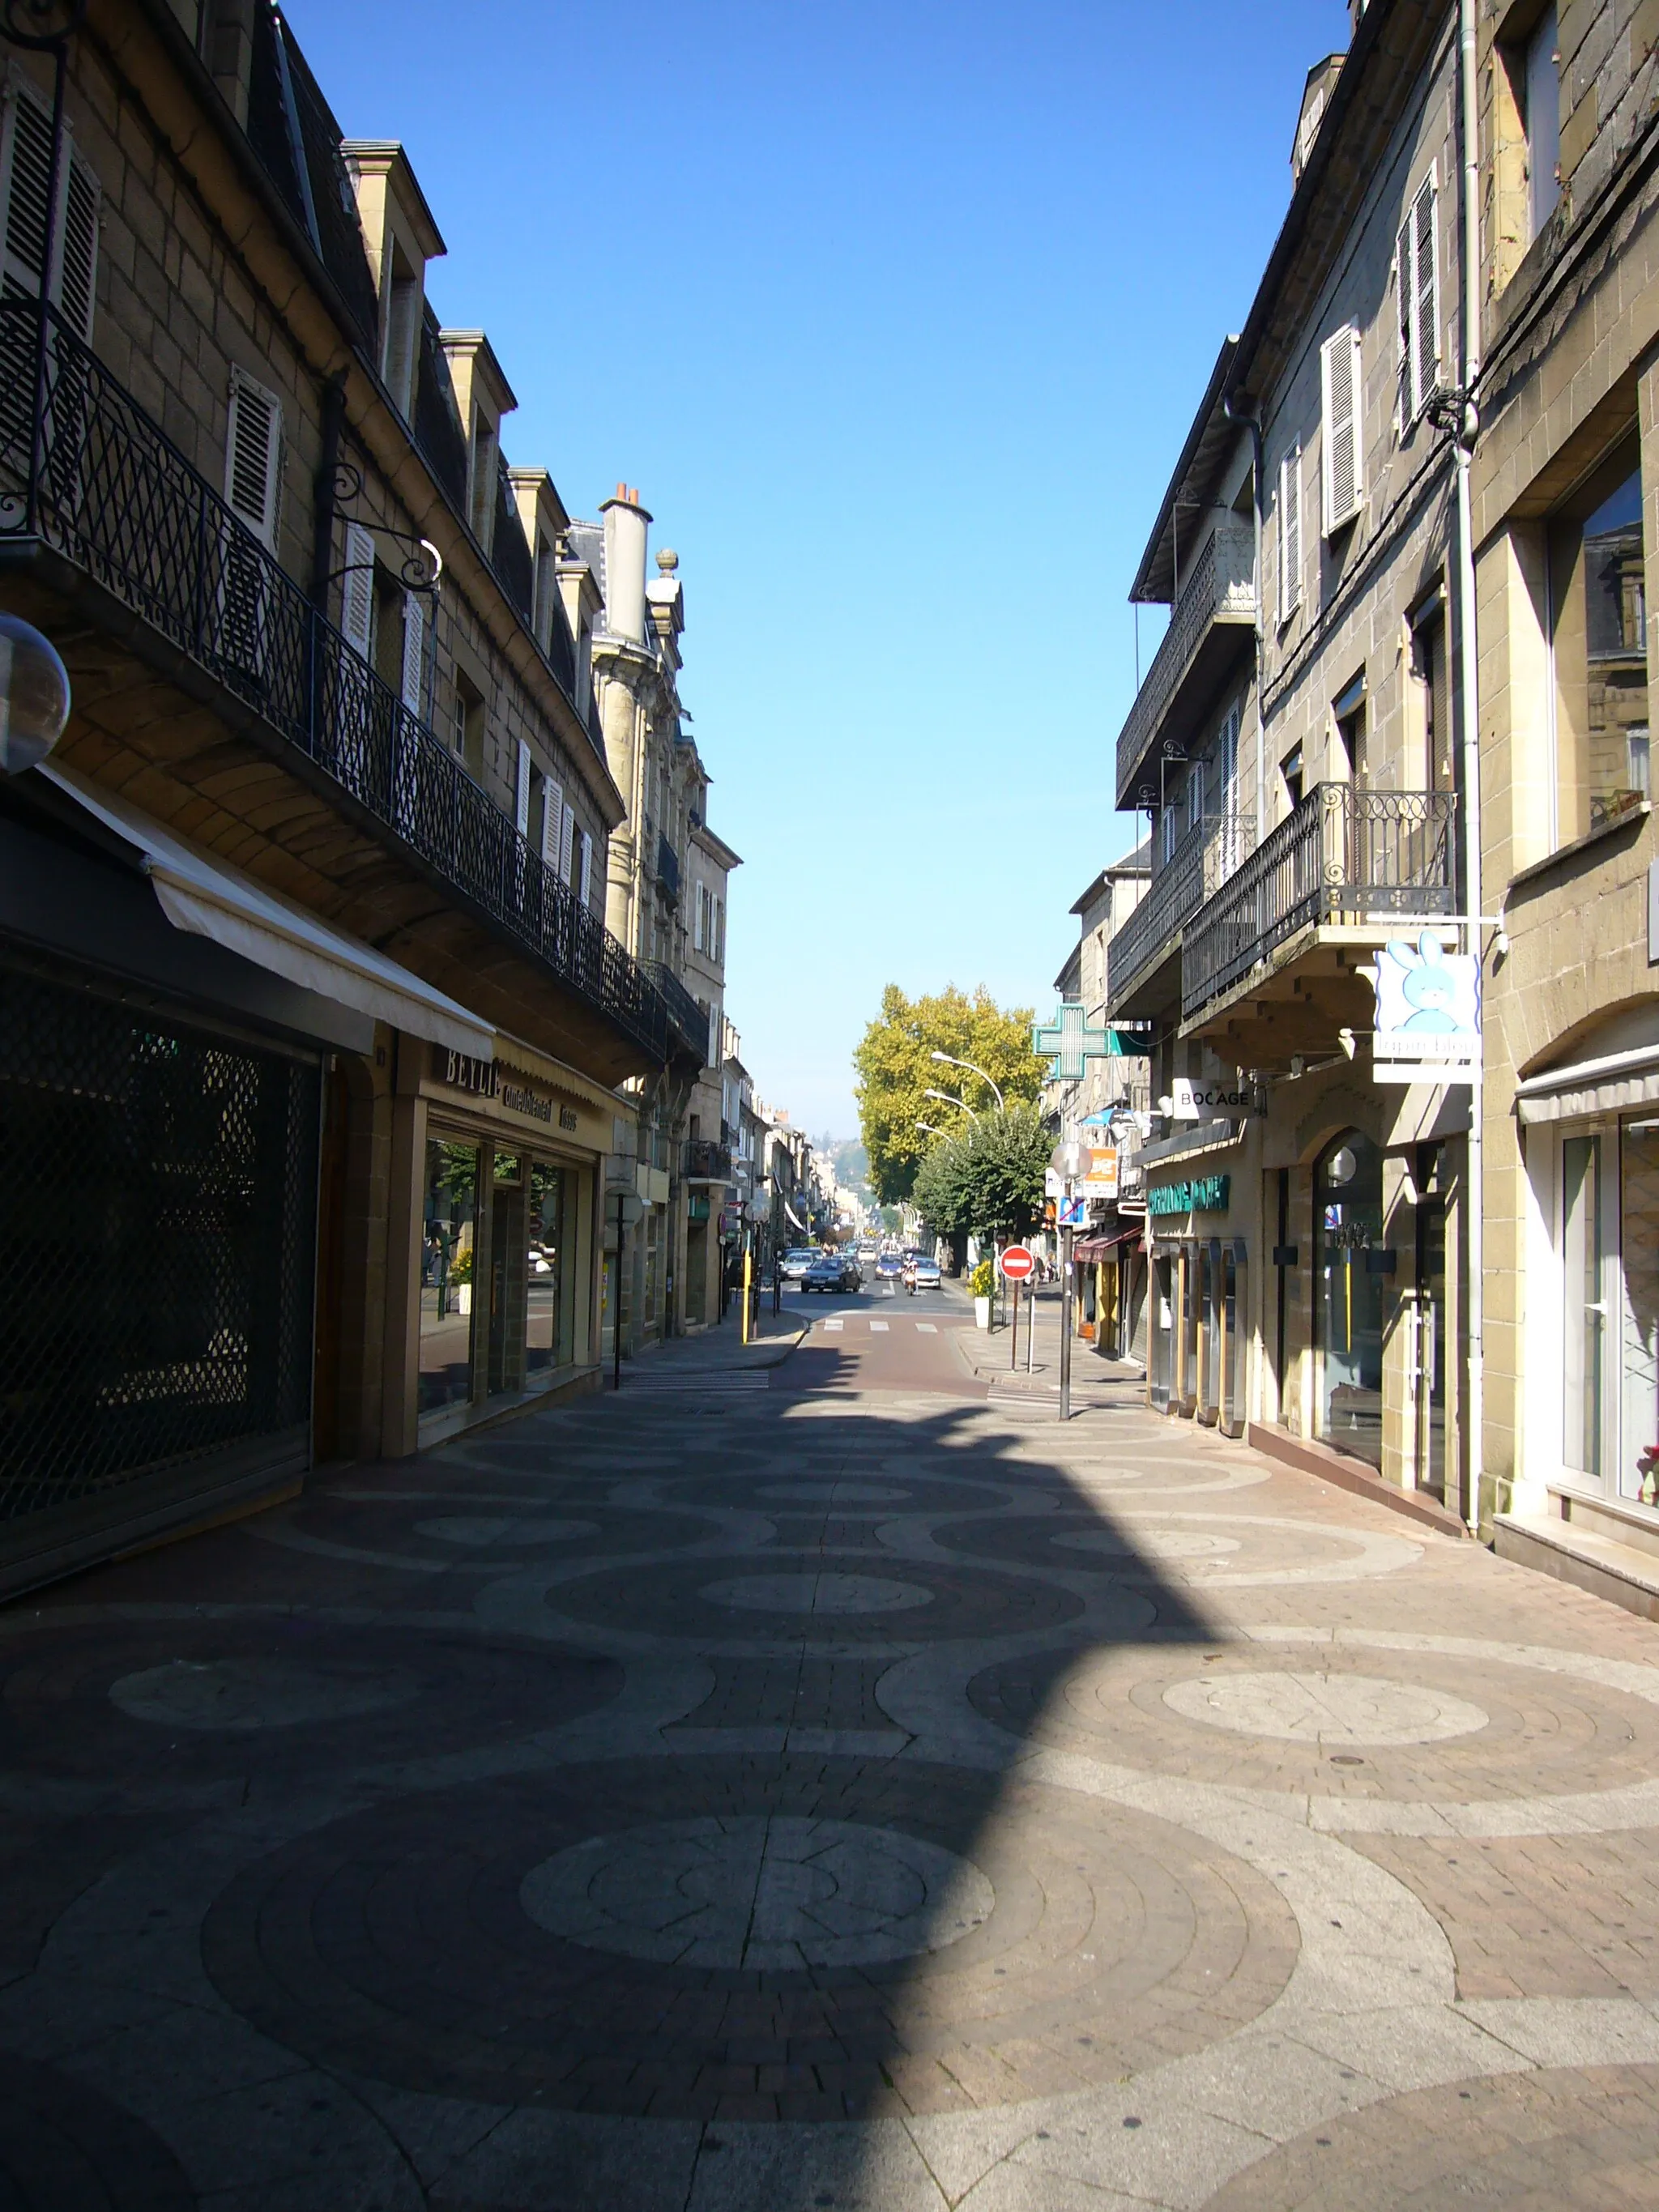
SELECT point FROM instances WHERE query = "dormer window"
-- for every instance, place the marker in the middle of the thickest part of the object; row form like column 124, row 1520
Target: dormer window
column 482, row 514
column 400, row 238
column 401, row 353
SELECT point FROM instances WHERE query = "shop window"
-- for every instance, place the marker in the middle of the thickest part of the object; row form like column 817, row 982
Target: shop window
column 1598, row 605
column 550, row 1329
column 449, row 1250
column 1639, row 1347
column 1162, row 1301
column 1429, row 668
column 1348, row 1296
column 1609, row 1248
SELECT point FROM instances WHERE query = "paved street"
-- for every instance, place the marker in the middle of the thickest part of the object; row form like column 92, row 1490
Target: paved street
column 825, row 1785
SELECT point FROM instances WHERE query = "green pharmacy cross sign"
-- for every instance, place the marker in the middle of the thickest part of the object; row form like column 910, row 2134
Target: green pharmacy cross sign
column 1068, row 1042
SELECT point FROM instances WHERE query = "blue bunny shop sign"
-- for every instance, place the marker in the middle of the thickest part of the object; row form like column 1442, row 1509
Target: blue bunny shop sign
column 1428, row 1013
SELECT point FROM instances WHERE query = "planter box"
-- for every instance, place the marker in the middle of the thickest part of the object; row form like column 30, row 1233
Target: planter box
column 981, row 1312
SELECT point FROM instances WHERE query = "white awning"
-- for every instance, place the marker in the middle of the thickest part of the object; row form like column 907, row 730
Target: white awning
column 212, row 899
column 1610, row 1085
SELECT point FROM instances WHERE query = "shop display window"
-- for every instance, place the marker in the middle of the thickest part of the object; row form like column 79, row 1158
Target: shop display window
column 449, row 1250
column 1348, row 1296
column 1609, row 1250
column 549, row 1325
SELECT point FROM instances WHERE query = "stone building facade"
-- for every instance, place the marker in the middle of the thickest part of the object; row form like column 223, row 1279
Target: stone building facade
column 306, row 912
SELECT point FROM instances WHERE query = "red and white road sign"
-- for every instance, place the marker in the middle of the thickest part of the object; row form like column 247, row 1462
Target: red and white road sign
column 1017, row 1263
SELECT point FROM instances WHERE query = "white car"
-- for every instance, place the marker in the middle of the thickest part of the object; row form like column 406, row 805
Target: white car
column 793, row 1264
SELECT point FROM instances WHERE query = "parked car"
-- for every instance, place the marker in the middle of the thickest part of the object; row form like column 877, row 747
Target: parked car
column 925, row 1273
column 889, row 1267
column 793, row 1264
column 825, row 1273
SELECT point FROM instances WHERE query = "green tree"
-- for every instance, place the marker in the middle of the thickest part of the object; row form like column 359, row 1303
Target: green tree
column 896, row 1069
column 988, row 1183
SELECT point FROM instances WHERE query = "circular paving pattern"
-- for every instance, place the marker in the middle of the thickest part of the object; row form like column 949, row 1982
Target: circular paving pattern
column 814, row 1593
column 219, row 1697
column 835, row 1493
column 258, row 1693
column 1562, row 2137
column 760, row 1893
column 1242, row 1551
column 487, row 1532
column 676, row 1597
column 1344, row 1708
column 1377, row 1726
column 501, row 1942
column 65, row 2149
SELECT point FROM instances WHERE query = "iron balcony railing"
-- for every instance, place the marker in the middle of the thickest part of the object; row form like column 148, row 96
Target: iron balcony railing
column 1213, row 846
column 1343, row 853
column 88, row 473
column 1221, row 587
column 706, row 1161
column 690, row 1019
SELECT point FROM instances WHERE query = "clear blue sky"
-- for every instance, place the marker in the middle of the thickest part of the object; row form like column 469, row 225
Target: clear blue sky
column 896, row 311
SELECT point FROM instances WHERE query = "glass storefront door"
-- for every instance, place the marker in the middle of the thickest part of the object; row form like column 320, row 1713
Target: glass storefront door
column 1638, row 1331
column 1348, row 1296
column 549, row 1331
column 1209, row 1316
column 448, row 1251
column 1161, row 1301
column 1584, row 1254
column 1427, row 1347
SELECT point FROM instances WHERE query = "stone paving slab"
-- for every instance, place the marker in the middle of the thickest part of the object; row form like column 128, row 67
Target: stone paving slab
column 875, row 1798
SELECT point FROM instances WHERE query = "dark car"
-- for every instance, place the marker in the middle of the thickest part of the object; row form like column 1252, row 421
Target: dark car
column 889, row 1267
column 824, row 1274
column 852, row 1274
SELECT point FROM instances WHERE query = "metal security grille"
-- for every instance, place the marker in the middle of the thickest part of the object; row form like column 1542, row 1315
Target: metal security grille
column 158, row 1234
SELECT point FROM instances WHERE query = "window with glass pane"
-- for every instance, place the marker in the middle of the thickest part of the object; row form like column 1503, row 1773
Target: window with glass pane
column 448, row 1248
column 552, row 1281
column 1348, row 1296
column 1639, row 1240
column 1582, row 1273
column 1599, row 631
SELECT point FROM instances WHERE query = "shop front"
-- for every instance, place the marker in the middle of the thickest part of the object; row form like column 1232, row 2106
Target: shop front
column 1591, row 1137
column 506, row 1159
column 1197, row 1298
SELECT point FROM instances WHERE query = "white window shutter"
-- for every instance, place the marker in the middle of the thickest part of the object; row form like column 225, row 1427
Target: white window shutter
column 254, row 442
column 25, row 179
column 1340, row 460
column 552, row 823
column 1405, row 303
column 521, row 790
column 357, row 587
column 567, row 842
column 697, row 918
column 586, row 884
column 414, row 649
column 75, row 286
column 1426, row 307
column 1290, row 533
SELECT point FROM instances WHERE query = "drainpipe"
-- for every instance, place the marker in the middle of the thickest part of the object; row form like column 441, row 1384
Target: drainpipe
column 1252, row 422
column 1468, row 425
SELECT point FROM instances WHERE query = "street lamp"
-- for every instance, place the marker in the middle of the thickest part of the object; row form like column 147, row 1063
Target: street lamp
column 34, row 696
column 950, row 1062
column 946, row 1099
column 928, row 1129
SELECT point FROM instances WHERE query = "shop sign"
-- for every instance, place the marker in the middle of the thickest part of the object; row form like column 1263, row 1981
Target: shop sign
column 487, row 1079
column 1204, row 1194
column 1205, row 1102
column 1428, row 1013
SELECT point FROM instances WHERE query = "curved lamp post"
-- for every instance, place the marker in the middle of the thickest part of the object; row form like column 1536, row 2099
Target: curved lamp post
column 34, row 696
column 950, row 1060
column 946, row 1099
column 1071, row 1163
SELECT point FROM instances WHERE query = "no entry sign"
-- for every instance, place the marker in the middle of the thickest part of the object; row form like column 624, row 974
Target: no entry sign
column 1017, row 1263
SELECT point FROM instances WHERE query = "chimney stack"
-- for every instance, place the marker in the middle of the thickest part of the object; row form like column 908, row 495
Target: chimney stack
column 626, row 523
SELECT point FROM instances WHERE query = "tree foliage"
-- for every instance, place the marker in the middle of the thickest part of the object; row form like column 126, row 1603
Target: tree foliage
column 896, row 1070
column 988, row 1184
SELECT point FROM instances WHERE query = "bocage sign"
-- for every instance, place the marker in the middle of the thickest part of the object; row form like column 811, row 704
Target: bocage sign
column 1204, row 1194
column 1200, row 1102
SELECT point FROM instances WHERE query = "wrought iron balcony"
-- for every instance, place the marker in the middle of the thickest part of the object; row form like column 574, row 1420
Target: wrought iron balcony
column 1216, row 605
column 706, row 1161
column 687, row 1017
column 1201, row 862
column 1342, row 856
column 89, row 475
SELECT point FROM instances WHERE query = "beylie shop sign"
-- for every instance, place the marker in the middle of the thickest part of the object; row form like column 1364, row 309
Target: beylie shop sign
column 1204, row 1194
column 487, row 1078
